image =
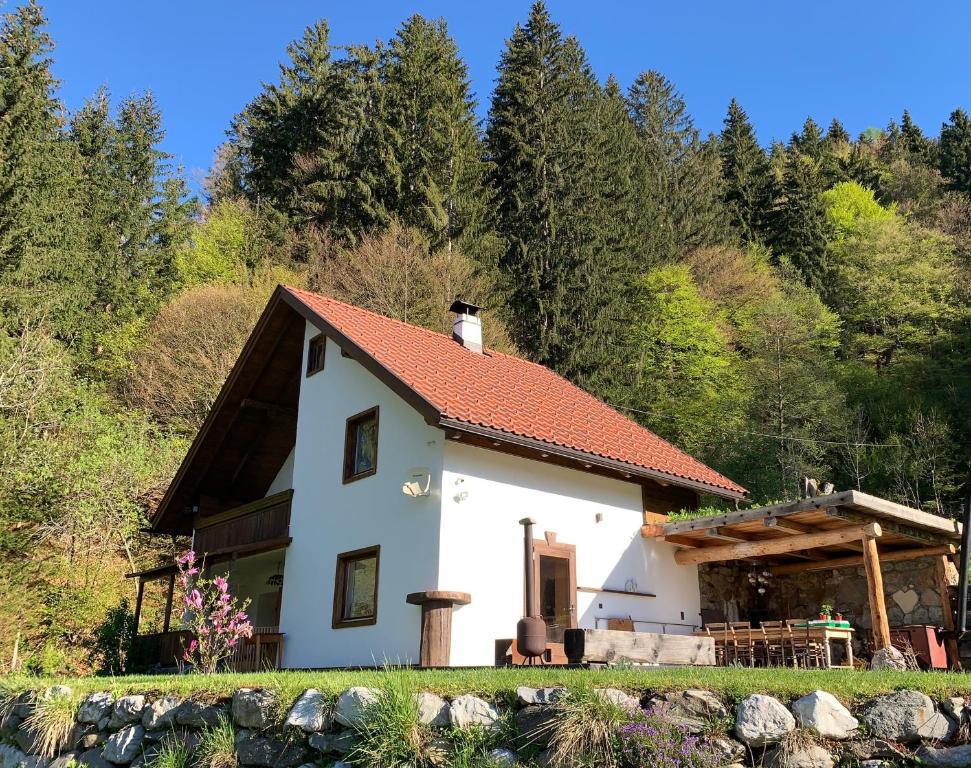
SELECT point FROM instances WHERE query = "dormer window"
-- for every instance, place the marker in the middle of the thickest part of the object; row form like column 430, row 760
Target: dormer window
column 361, row 446
column 315, row 354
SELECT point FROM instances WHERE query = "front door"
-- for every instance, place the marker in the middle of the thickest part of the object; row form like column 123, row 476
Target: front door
column 556, row 587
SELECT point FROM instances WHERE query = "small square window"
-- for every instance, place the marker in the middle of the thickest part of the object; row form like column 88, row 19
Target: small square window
column 356, row 588
column 361, row 446
column 315, row 354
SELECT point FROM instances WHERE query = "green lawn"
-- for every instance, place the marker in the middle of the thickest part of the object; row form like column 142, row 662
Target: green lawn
column 732, row 683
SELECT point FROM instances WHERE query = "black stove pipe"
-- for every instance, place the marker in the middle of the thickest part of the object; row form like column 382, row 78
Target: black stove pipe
column 962, row 622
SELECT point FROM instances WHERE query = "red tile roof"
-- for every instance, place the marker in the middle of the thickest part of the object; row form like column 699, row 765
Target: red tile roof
column 506, row 393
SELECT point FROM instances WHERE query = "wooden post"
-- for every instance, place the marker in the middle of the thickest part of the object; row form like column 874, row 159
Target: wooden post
column 138, row 603
column 436, row 624
column 168, row 604
column 950, row 641
column 875, row 596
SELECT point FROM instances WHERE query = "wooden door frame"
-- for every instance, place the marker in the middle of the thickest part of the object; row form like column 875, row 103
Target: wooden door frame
column 550, row 547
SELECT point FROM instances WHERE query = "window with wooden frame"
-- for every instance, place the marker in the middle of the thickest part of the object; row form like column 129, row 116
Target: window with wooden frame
column 356, row 588
column 315, row 354
column 361, row 445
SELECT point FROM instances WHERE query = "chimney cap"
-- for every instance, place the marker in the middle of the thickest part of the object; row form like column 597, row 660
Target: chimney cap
column 464, row 308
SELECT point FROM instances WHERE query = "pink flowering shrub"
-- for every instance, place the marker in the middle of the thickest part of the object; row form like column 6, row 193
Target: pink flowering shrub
column 217, row 620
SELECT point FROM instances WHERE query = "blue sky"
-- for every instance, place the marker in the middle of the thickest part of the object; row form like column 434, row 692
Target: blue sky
column 861, row 61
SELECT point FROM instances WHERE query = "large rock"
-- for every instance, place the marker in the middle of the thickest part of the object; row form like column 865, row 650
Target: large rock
column 955, row 708
column 619, row 698
column 23, row 704
column 56, row 691
column 78, row 732
column 469, row 710
column 432, row 710
column 127, row 710
column 870, row 748
column 95, row 706
column 526, row 696
column 803, row 756
column 352, row 705
column 270, row 753
column 333, row 743
column 693, row 710
column 907, row 717
column 9, row 723
column 254, row 708
column 438, row 752
column 762, row 720
column 123, row 746
column 946, row 757
column 161, row 713
column 727, row 751
column 501, row 756
column 11, row 757
column 92, row 759
column 534, row 726
column 822, row 712
column 309, row 712
column 28, row 739
column 65, row 760
column 195, row 714
column 888, row 658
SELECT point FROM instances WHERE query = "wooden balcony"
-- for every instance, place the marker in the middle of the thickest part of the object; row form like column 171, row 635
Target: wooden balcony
column 260, row 526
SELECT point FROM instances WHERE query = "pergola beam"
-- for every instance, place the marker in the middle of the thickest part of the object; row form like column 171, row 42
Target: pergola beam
column 779, row 546
column 857, row 560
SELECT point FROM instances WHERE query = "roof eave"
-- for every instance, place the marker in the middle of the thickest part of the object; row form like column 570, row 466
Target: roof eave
column 582, row 457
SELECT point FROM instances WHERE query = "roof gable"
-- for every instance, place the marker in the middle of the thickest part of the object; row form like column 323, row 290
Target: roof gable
column 498, row 394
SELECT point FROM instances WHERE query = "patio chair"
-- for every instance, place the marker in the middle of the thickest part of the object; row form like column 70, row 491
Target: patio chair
column 776, row 636
column 720, row 633
column 744, row 642
column 805, row 648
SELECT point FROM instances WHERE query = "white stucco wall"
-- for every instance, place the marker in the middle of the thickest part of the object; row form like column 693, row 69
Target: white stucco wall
column 284, row 478
column 329, row 517
column 482, row 547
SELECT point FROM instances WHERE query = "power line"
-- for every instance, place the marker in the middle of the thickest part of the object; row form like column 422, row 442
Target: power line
column 767, row 435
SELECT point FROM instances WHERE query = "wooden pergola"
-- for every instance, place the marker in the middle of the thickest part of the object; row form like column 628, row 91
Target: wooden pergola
column 839, row 530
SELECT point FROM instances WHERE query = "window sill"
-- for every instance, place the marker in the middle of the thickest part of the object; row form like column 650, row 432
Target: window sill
column 348, row 623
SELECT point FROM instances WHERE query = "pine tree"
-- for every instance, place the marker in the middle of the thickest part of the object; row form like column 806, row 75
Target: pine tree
column 918, row 147
column 810, row 140
column 557, row 260
column 303, row 126
column 680, row 186
column 955, row 151
column 346, row 184
column 836, row 134
column 29, row 128
column 41, row 252
column 429, row 115
column 799, row 221
column 745, row 170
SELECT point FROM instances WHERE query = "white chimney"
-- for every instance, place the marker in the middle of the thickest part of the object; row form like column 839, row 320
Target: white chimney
column 467, row 326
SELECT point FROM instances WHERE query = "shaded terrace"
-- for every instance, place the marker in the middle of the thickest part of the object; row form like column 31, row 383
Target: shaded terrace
column 824, row 533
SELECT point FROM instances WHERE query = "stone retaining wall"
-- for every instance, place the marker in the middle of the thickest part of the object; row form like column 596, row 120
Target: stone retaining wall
column 814, row 731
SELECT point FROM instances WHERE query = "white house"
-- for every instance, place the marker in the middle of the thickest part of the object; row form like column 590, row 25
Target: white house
column 357, row 473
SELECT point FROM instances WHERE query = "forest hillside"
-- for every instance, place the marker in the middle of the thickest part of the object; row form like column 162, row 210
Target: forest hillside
column 778, row 306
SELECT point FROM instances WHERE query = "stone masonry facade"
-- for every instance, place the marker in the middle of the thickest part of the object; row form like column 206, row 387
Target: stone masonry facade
column 912, row 595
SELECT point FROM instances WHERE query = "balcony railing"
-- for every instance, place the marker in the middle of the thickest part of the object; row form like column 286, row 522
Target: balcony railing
column 263, row 524
column 164, row 650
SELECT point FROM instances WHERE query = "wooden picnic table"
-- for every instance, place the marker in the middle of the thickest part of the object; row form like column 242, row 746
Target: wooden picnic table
column 825, row 633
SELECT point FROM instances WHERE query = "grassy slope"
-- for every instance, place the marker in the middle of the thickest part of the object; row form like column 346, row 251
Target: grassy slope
column 733, row 683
